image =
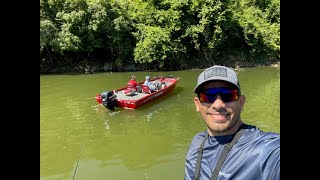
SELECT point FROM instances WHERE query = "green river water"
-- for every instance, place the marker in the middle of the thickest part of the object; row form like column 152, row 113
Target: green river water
column 82, row 140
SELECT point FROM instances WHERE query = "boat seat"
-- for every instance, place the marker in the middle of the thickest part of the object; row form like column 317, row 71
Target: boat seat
column 145, row 89
column 131, row 86
column 131, row 89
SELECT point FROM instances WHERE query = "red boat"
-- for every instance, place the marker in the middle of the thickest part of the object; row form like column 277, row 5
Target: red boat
column 129, row 97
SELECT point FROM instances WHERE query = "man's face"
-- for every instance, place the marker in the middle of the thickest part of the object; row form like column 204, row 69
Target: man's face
column 221, row 117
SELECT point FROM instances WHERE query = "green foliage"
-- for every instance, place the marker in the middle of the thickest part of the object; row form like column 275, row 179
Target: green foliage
column 47, row 33
column 206, row 33
column 161, row 32
column 80, row 24
column 261, row 27
column 153, row 44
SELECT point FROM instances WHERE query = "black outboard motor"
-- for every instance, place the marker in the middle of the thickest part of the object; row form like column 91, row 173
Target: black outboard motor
column 109, row 100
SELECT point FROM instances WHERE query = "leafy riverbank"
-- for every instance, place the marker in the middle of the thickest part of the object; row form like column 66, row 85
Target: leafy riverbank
column 130, row 35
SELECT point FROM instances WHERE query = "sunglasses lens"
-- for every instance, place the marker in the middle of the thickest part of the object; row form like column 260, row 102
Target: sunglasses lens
column 203, row 97
column 226, row 94
column 231, row 96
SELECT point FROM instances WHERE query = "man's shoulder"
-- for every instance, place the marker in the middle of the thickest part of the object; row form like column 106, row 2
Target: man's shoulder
column 267, row 141
column 256, row 132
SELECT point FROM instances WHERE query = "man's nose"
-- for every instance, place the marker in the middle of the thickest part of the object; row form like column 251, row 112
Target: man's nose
column 218, row 102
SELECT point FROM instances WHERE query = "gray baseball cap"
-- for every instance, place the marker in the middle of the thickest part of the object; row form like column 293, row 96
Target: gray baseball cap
column 217, row 73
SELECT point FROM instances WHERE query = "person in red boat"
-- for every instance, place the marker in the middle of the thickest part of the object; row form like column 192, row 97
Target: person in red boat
column 133, row 81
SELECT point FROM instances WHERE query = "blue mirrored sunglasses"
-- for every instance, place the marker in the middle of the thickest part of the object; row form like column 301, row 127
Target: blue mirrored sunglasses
column 226, row 94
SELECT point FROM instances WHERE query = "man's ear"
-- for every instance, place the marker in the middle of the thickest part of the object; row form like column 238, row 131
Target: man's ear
column 197, row 103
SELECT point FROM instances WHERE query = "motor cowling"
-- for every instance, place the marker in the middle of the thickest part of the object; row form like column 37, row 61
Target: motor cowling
column 108, row 99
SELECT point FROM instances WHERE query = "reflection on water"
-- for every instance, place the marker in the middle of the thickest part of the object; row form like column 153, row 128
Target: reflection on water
column 147, row 143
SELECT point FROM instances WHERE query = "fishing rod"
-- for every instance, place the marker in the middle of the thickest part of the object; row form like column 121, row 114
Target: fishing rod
column 75, row 171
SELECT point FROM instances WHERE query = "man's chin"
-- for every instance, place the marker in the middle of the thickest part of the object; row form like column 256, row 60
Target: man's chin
column 220, row 126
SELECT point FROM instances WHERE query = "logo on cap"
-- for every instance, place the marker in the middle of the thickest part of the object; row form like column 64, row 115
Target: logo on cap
column 215, row 71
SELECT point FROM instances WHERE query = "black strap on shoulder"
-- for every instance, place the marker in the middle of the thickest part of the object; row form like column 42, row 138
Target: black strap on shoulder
column 225, row 151
column 200, row 151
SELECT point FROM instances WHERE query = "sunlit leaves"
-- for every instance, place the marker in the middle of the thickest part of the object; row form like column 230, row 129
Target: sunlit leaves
column 260, row 22
column 47, row 33
column 153, row 44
